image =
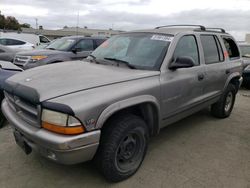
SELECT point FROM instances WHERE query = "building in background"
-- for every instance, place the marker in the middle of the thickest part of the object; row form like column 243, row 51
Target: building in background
column 248, row 37
column 69, row 31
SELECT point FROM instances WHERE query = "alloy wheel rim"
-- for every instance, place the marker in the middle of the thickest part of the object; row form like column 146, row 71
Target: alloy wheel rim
column 229, row 101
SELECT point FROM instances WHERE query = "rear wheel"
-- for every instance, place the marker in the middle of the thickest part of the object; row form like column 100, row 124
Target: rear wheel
column 224, row 106
column 2, row 119
column 247, row 85
column 122, row 147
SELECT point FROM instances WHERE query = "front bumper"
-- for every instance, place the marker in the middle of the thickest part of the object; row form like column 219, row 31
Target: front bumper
column 63, row 149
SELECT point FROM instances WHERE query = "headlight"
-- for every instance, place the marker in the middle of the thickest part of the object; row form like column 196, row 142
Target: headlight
column 37, row 57
column 247, row 68
column 61, row 123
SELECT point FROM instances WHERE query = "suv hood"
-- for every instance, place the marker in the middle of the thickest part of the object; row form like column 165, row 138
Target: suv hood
column 40, row 52
column 50, row 81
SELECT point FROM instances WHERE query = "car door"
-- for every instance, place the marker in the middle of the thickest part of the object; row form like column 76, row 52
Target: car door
column 215, row 65
column 82, row 49
column 181, row 89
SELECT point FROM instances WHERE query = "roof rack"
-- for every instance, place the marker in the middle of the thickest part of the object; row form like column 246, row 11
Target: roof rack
column 215, row 28
column 200, row 26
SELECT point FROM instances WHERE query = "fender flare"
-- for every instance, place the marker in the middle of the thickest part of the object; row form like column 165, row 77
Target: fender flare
column 232, row 76
column 117, row 106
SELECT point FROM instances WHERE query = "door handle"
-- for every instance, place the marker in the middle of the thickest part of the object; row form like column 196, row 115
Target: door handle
column 227, row 71
column 200, row 77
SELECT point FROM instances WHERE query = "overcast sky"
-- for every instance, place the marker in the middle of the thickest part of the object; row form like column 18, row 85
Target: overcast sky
column 233, row 15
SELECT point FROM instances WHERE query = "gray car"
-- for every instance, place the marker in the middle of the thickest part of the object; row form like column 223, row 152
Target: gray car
column 108, row 106
column 63, row 49
column 7, row 54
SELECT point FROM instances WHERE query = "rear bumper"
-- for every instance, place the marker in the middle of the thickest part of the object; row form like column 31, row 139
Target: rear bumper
column 59, row 148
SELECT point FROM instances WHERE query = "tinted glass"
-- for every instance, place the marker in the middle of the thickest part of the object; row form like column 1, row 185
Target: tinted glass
column 99, row 41
column 231, row 47
column 85, row 45
column 43, row 39
column 187, row 47
column 3, row 41
column 62, row 44
column 221, row 56
column 143, row 50
column 14, row 42
column 210, row 49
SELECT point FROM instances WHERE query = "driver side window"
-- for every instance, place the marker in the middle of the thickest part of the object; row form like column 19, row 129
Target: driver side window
column 85, row 45
column 187, row 47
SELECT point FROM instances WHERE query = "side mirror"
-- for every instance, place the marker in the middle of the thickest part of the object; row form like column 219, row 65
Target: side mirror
column 75, row 50
column 182, row 62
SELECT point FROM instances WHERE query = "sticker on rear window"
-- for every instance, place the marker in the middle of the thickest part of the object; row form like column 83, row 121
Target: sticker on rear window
column 162, row 38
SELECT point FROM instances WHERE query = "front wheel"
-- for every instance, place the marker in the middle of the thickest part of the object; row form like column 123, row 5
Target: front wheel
column 122, row 147
column 224, row 106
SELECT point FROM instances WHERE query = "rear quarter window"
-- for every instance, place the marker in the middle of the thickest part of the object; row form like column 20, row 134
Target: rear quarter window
column 231, row 47
column 13, row 42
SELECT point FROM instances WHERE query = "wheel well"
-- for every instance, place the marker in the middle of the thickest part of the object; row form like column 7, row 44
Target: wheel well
column 147, row 111
column 235, row 81
column 55, row 62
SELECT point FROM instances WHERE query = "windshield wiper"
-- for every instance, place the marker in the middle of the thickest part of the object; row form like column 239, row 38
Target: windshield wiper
column 120, row 61
column 93, row 59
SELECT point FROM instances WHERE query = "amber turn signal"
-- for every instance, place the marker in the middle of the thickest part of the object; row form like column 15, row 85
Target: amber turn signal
column 63, row 129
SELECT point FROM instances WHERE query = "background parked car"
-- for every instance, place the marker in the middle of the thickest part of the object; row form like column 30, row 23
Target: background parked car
column 63, row 49
column 7, row 54
column 31, row 38
column 16, row 44
column 7, row 69
column 245, row 52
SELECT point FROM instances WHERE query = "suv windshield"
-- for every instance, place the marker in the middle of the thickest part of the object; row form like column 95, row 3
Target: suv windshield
column 62, row 44
column 245, row 51
column 140, row 50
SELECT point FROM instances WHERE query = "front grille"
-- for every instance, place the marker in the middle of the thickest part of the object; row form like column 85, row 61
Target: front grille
column 21, row 60
column 25, row 110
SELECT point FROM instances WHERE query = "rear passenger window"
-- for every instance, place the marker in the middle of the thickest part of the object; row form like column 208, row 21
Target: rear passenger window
column 187, row 47
column 221, row 55
column 232, row 49
column 212, row 49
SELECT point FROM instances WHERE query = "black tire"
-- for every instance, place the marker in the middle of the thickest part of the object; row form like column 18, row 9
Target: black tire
column 123, row 145
column 247, row 85
column 224, row 106
column 2, row 119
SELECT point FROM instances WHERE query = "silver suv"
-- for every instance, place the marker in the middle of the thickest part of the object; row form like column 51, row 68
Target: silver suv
column 108, row 106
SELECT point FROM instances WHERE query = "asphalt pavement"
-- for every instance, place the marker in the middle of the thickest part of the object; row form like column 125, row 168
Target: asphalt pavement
column 198, row 151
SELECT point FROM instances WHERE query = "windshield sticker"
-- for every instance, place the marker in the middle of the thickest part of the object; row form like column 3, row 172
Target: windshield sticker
column 162, row 38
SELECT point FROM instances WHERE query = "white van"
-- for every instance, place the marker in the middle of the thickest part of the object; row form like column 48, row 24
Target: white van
column 31, row 38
